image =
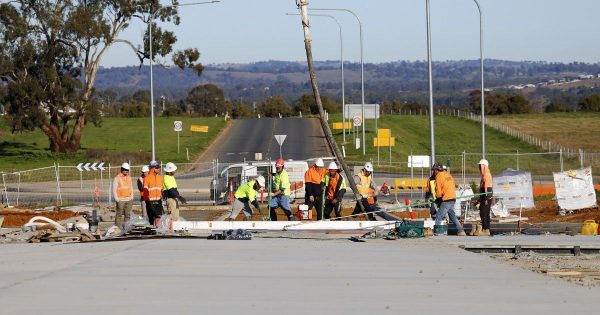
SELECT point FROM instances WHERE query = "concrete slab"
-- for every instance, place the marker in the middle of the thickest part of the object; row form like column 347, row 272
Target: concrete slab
column 314, row 273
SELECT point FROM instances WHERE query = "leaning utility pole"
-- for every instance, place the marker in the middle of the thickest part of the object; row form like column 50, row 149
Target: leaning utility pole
column 303, row 6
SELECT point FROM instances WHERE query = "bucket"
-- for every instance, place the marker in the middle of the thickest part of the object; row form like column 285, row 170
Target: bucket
column 440, row 229
column 589, row 227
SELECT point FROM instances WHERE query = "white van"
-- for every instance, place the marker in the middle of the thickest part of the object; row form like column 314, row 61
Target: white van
column 243, row 172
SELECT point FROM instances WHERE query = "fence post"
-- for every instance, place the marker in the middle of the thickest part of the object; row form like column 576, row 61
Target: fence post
column 18, row 188
column 109, row 187
column 5, row 191
column 517, row 159
column 561, row 159
column 581, row 157
column 58, row 196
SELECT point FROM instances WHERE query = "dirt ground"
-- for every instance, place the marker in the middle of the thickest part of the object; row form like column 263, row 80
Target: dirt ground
column 18, row 217
column 583, row 270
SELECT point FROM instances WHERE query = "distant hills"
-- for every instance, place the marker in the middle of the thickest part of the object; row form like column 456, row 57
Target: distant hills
column 401, row 80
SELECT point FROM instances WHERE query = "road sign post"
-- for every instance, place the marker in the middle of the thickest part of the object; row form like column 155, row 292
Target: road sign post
column 280, row 139
column 357, row 121
column 178, row 127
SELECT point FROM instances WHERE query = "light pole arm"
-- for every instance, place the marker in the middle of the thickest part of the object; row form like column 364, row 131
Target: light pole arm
column 362, row 70
column 482, row 83
column 151, row 58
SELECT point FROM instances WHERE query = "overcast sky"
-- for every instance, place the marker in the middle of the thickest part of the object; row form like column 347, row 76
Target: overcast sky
column 241, row 31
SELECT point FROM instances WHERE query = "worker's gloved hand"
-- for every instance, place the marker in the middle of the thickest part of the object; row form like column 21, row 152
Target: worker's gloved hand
column 182, row 200
column 334, row 201
column 438, row 201
column 311, row 199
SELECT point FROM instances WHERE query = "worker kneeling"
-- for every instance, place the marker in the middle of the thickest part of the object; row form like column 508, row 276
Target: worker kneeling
column 246, row 195
column 334, row 188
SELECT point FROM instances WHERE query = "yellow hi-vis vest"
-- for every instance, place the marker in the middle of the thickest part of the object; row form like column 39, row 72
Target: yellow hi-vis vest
column 281, row 182
column 364, row 184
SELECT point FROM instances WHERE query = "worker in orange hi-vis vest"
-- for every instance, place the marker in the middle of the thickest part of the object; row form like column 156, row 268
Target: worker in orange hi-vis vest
column 153, row 186
column 485, row 201
column 312, row 187
column 123, row 194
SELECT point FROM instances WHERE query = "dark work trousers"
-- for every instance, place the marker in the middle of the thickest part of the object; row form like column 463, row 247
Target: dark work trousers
column 314, row 190
column 154, row 209
column 329, row 206
column 484, row 212
column 369, row 209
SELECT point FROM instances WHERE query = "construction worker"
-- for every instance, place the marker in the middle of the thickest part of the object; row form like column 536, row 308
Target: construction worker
column 140, row 185
column 153, row 185
column 170, row 191
column 430, row 190
column 281, row 192
column 445, row 190
column 312, row 186
column 246, row 195
column 367, row 190
column 123, row 194
column 485, row 201
column 334, row 188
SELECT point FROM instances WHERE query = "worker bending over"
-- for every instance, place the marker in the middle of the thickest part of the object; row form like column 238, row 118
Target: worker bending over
column 244, row 196
column 367, row 190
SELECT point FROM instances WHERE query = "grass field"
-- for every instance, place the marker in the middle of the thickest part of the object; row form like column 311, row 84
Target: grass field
column 117, row 140
column 453, row 136
column 573, row 130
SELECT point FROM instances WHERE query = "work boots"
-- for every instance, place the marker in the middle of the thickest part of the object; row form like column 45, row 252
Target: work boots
column 484, row 232
column 461, row 233
column 476, row 230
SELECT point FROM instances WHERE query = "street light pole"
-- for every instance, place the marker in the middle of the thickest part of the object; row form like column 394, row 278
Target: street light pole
column 342, row 69
column 362, row 71
column 152, row 17
column 482, row 86
column 431, row 127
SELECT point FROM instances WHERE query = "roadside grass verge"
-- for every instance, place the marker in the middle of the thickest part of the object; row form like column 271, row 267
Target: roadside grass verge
column 117, row 140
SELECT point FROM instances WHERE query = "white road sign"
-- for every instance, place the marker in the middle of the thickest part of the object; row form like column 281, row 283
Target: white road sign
column 357, row 120
column 177, row 125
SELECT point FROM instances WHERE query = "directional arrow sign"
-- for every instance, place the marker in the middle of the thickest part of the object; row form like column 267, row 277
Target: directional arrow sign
column 280, row 139
column 101, row 166
column 78, row 167
column 93, row 167
column 87, row 166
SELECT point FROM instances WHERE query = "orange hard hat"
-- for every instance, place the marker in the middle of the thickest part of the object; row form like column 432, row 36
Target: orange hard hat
column 279, row 162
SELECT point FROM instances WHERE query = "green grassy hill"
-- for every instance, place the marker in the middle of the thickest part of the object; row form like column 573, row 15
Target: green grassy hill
column 117, row 140
column 453, row 136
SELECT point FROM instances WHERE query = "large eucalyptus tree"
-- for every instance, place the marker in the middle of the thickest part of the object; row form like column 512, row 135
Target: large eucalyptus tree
column 50, row 51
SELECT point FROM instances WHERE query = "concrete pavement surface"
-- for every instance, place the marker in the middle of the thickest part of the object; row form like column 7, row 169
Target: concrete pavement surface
column 314, row 273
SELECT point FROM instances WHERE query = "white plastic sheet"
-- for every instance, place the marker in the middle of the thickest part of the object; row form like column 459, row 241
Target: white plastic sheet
column 575, row 189
column 514, row 188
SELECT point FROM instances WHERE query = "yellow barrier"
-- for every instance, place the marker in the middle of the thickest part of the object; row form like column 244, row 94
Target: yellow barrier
column 407, row 183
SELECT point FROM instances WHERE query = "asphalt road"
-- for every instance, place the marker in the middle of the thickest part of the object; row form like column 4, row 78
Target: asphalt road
column 305, row 139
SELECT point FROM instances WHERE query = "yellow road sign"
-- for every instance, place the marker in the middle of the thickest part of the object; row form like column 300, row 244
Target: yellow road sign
column 198, row 128
column 384, row 142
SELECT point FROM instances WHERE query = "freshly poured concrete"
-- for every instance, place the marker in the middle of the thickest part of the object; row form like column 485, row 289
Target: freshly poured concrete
column 278, row 276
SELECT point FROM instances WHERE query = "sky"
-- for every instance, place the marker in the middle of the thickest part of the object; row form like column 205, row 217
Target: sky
column 243, row 31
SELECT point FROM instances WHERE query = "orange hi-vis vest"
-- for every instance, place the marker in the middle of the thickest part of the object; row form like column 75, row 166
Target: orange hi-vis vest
column 153, row 184
column 124, row 190
column 313, row 175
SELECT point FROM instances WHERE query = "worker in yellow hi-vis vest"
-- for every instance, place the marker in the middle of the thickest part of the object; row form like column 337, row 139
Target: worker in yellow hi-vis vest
column 170, row 191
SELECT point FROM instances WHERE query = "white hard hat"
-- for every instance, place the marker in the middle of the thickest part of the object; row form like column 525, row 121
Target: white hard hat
column 125, row 166
column 145, row 168
column 333, row 166
column 484, row 162
column 261, row 181
column 369, row 167
column 319, row 162
column 170, row 167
